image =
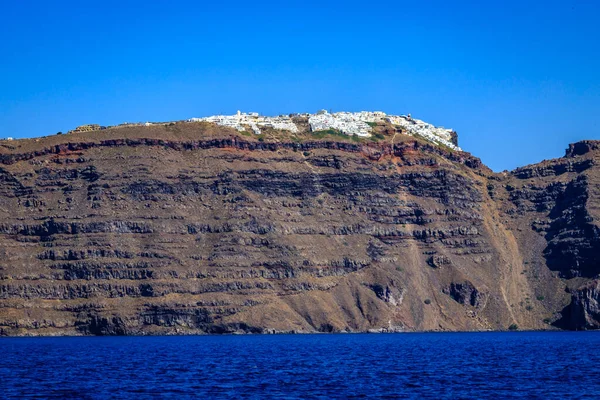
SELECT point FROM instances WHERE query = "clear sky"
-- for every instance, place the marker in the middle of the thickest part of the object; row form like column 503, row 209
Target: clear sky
column 518, row 80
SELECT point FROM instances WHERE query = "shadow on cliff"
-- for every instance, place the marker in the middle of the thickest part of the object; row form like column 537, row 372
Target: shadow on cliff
column 573, row 241
column 583, row 313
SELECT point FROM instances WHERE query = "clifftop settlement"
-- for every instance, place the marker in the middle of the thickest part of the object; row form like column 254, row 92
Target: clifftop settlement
column 349, row 123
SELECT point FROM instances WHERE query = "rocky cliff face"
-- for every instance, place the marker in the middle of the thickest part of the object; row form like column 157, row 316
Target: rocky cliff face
column 190, row 229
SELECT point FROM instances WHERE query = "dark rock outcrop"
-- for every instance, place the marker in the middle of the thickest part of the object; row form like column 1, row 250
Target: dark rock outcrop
column 465, row 293
column 584, row 311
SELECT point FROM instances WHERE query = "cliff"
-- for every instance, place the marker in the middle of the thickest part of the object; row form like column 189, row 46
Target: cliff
column 191, row 228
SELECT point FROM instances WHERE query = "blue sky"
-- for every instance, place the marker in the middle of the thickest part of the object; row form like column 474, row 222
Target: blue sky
column 518, row 80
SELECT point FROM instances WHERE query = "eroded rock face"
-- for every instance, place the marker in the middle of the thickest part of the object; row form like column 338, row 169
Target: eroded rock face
column 438, row 261
column 563, row 195
column 584, row 310
column 175, row 230
column 465, row 293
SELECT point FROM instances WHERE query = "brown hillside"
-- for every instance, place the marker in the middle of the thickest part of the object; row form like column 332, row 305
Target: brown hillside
column 193, row 228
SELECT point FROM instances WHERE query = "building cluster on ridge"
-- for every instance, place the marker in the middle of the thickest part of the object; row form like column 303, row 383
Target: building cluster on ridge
column 241, row 120
column 416, row 127
column 346, row 122
column 349, row 123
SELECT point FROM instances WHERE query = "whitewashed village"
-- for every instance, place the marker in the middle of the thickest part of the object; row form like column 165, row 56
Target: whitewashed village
column 349, row 123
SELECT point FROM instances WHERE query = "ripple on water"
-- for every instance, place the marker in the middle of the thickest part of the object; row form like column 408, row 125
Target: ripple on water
column 458, row 365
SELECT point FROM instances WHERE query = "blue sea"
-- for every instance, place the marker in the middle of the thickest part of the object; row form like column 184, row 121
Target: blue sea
column 339, row 366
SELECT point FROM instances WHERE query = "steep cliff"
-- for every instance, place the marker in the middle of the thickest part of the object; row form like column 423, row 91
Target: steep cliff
column 192, row 228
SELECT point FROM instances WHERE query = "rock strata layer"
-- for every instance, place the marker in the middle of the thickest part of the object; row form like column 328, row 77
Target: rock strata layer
column 191, row 229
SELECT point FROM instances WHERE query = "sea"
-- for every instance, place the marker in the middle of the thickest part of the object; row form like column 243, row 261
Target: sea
column 538, row 365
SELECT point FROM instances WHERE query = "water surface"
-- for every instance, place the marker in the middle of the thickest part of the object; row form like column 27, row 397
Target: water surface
column 430, row 365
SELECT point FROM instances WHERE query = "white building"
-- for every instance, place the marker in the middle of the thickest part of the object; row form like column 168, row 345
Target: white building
column 241, row 121
column 349, row 123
